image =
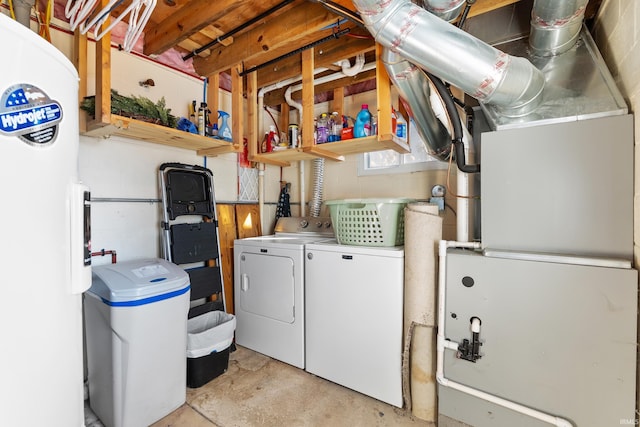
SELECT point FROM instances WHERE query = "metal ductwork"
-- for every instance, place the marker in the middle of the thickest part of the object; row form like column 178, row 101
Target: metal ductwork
column 555, row 25
column 22, row 11
column 511, row 84
column 413, row 86
column 447, row 10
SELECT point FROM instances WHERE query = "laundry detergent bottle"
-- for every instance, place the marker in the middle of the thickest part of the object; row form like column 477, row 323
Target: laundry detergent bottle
column 362, row 126
column 224, row 132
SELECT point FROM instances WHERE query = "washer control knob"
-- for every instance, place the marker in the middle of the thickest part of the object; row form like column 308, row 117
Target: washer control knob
column 304, row 223
column 327, row 224
column 319, row 224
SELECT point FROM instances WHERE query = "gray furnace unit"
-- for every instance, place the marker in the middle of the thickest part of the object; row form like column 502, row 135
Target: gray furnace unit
column 552, row 290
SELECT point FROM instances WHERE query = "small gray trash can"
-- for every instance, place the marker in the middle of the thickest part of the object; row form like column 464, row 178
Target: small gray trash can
column 209, row 337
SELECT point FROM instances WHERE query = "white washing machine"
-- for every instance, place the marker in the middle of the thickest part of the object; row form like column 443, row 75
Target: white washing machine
column 269, row 288
column 354, row 302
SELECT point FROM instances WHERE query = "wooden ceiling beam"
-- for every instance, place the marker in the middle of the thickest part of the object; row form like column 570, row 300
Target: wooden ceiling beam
column 484, row 6
column 185, row 22
column 298, row 26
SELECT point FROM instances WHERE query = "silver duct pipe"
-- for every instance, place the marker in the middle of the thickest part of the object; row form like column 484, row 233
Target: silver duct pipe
column 447, row 10
column 22, row 10
column 315, row 204
column 555, row 25
column 413, row 86
column 510, row 83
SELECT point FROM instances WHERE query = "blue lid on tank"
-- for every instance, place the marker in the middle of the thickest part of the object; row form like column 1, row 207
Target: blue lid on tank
column 138, row 282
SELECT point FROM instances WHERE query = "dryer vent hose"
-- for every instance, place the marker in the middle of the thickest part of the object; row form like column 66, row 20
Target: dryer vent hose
column 318, row 185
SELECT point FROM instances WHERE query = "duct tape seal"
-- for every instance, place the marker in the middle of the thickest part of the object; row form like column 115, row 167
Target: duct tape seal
column 28, row 113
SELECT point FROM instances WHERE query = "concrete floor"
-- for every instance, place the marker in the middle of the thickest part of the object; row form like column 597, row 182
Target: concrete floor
column 260, row 391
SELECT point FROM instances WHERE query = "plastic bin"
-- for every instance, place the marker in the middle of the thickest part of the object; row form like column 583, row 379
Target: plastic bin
column 136, row 333
column 209, row 336
column 368, row 222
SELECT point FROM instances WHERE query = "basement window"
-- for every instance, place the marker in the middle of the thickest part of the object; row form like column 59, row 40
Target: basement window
column 390, row 161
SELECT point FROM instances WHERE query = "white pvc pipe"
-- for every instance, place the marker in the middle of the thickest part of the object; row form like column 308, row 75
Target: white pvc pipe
column 261, row 166
column 332, row 77
column 261, row 193
column 442, row 344
column 303, row 193
column 286, row 82
column 462, row 190
column 347, row 69
column 462, row 214
column 298, row 106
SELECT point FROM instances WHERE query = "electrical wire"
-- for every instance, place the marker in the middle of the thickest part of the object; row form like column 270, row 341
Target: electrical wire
column 44, row 20
column 447, row 205
column 360, row 36
column 11, row 11
column 448, row 186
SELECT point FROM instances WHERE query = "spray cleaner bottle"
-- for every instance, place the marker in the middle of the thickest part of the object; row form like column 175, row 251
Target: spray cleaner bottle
column 224, row 132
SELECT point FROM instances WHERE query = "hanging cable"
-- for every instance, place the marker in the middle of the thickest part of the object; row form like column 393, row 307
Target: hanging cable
column 452, row 112
column 340, row 10
column 465, row 12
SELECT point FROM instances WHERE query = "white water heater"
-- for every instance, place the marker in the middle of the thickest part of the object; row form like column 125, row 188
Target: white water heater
column 45, row 244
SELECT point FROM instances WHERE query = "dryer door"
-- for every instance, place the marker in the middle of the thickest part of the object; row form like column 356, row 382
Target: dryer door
column 266, row 286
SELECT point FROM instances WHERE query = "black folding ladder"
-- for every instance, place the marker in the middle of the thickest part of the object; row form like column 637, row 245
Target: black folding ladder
column 190, row 232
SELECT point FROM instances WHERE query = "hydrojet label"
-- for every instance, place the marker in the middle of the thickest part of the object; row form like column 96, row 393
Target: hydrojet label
column 28, row 113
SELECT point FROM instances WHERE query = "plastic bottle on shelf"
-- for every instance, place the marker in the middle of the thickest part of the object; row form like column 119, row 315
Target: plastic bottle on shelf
column 335, row 127
column 323, row 128
column 401, row 126
column 272, row 139
column 224, row 132
column 362, row 127
column 394, row 120
column 202, row 120
column 315, row 130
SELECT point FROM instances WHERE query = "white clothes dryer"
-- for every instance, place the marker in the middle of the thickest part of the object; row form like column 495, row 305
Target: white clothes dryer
column 269, row 288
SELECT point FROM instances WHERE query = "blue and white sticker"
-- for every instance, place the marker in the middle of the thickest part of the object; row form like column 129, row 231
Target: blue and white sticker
column 28, row 113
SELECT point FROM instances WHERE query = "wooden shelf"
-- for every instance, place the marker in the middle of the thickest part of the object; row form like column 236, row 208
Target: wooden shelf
column 150, row 132
column 362, row 145
column 107, row 124
column 332, row 150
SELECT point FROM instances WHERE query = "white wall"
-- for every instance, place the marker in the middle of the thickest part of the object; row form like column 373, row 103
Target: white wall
column 126, row 169
column 121, row 168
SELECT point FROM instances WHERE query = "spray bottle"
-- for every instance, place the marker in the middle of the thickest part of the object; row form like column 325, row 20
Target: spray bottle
column 224, row 132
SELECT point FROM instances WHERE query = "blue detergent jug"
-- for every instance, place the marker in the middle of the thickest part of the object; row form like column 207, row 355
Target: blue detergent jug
column 224, row 132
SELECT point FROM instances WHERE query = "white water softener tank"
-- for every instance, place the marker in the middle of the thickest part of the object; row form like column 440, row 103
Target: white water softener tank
column 136, row 335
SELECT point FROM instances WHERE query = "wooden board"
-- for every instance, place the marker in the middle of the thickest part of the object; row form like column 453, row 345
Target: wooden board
column 226, row 235
column 246, row 228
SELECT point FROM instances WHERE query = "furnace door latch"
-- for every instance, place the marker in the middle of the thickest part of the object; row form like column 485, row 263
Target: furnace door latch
column 470, row 350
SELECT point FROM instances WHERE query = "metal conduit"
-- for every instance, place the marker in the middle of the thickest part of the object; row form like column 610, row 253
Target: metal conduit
column 555, row 25
column 445, row 9
column 510, row 83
